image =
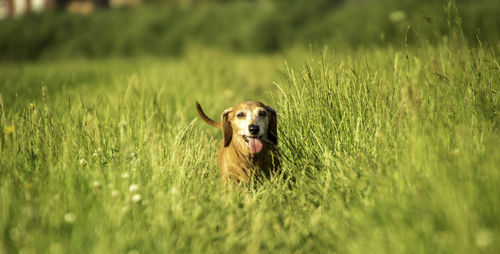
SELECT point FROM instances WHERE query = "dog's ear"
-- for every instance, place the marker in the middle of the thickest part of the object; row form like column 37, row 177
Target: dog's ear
column 272, row 130
column 227, row 130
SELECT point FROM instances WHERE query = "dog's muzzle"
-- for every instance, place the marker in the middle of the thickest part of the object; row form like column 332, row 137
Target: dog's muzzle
column 254, row 129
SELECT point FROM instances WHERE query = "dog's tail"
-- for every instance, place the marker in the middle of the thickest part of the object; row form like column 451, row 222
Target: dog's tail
column 206, row 118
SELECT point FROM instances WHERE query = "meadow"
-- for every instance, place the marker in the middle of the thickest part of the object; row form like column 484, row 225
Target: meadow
column 388, row 128
column 384, row 151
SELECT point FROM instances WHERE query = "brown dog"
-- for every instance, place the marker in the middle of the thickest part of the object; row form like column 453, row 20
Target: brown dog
column 250, row 139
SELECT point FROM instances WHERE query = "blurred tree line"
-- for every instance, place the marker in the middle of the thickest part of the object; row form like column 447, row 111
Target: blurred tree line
column 166, row 27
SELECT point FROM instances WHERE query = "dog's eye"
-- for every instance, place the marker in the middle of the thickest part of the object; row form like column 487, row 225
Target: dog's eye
column 240, row 115
column 262, row 113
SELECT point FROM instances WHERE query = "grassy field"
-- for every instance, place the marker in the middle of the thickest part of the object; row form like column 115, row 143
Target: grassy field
column 386, row 151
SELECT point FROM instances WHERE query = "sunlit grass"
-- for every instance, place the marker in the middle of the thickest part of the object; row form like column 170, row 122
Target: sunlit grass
column 384, row 151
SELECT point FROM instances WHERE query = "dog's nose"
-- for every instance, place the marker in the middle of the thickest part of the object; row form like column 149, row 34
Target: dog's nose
column 254, row 129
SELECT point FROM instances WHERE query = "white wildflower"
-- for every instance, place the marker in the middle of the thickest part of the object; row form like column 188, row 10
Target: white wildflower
column 83, row 162
column 70, row 218
column 125, row 175
column 136, row 198
column 133, row 188
column 115, row 193
column 96, row 184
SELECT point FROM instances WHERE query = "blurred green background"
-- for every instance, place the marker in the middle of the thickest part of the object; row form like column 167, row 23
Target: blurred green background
column 388, row 126
column 167, row 28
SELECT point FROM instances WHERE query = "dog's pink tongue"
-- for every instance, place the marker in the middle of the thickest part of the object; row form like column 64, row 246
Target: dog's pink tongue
column 255, row 145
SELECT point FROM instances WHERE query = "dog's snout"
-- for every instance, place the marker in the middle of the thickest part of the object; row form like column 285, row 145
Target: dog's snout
column 254, row 129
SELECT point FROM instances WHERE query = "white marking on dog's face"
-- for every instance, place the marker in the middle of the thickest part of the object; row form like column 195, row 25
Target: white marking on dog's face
column 247, row 114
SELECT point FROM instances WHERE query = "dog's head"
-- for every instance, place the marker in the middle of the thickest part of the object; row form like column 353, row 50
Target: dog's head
column 250, row 123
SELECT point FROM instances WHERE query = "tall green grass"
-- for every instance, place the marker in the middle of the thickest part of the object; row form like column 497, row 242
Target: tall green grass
column 387, row 150
column 395, row 150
